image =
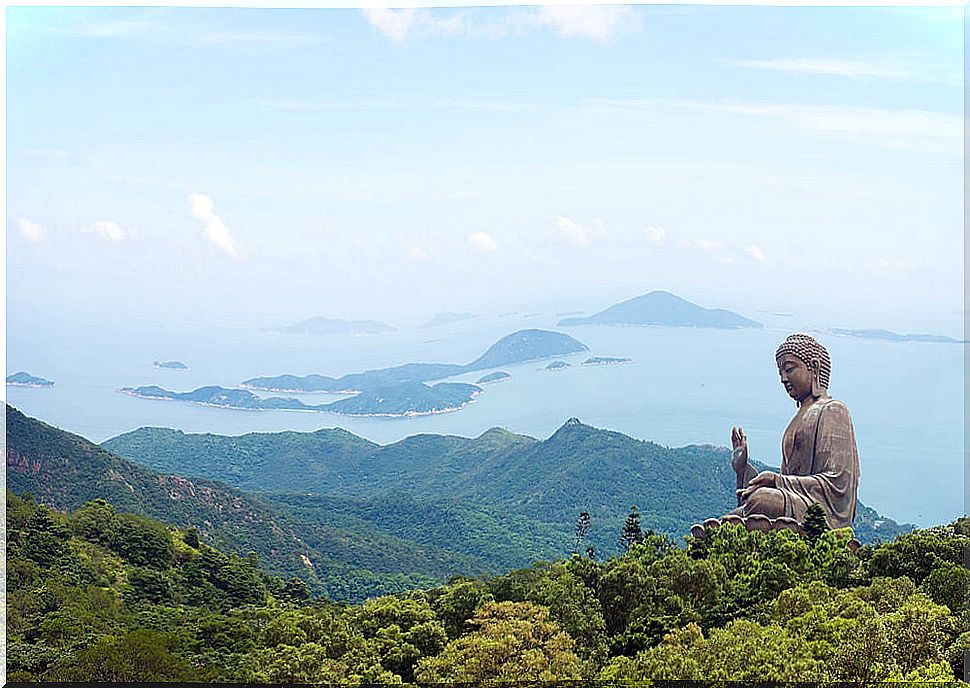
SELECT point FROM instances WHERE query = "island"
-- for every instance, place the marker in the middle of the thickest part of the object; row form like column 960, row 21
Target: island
column 406, row 400
column 218, row 396
column 605, row 360
column 519, row 347
column 557, row 365
column 391, row 401
column 22, row 379
column 334, row 326
column 888, row 336
column 661, row 308
column 170, row 365
column 497, row 376
column 448, row 319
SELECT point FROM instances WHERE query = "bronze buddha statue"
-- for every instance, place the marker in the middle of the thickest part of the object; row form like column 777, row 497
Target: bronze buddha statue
column 820, row 460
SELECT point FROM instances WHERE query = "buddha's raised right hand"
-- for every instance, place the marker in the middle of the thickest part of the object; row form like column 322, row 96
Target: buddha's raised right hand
column 739, row 459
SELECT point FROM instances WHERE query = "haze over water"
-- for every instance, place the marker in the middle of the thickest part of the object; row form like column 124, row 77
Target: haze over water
column 685, row 386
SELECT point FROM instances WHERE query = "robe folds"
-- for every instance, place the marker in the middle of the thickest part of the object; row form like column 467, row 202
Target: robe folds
column 820, row 463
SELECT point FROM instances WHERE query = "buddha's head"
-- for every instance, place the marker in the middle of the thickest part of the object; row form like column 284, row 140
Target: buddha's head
column 804, row 367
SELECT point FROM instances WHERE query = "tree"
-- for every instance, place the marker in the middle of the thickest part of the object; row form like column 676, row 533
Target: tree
column 458, row 603
column 632, row 533
column 515, row 641
column 139, row 656
column 582, row 530
column 814, row 523
column 142, row 541
column 191, row 538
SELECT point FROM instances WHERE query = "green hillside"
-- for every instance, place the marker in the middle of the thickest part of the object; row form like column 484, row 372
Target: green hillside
column 335, row 552
column 579, row 468
column 103, row 596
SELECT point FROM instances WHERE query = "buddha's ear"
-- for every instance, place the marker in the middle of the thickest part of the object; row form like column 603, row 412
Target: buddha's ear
column 816, row 367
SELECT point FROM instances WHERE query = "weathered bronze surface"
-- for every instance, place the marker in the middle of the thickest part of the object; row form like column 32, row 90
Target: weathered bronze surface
column 820, row 460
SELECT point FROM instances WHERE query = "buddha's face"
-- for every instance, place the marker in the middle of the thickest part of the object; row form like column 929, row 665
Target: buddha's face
column 796, row 377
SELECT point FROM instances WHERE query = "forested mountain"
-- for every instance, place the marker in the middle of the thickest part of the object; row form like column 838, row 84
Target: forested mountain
column 341, row 549
column 99, row 595
column 579, row 468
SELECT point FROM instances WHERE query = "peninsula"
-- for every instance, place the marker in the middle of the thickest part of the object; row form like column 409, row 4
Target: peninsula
column 497, row 376
column 661, row 308
column 392, row 401
column 605, row 360
column 23, row 379
column 519, row 347
column 171, row 365
column 888, row 336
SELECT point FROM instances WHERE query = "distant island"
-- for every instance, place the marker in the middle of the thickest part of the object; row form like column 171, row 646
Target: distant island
column 23, row 379
column 497, row 376
column 393, row 401
column 661, row 308
column 334, row 326
column 605, row 360
column 406, row 399
column 172, row 365
column 557, row 365
column 888, row 336
column 448, row 319
column 518, row 347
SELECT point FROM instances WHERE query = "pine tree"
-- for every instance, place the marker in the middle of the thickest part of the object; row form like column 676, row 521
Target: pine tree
column 582, row 529
column 814, row 523
column 632, row 533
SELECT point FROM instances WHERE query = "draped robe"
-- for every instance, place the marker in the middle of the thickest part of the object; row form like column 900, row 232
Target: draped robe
column 820, row 463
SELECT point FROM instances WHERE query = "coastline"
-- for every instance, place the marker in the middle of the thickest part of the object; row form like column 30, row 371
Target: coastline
column 308, row 409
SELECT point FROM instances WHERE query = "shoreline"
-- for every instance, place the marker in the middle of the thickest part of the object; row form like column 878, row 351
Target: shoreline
column 308, row 409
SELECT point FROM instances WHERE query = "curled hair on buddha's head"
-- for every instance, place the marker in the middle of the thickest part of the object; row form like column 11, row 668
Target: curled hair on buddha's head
column 806, row 349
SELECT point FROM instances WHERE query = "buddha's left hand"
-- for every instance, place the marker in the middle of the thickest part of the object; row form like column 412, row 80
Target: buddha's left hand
column 763, row 479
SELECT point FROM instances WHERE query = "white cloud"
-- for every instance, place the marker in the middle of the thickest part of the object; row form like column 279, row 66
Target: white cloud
column 418, row 254
column 109, row 231
column 482, row 242
column 895, row 266
column 395, row 24
column 30, row 230
column 598, row 22
column 852, row 69
column 657, row 235
column 571, row 232
column 755, row 252
column 707, row 245
column 911, row 129
column 919, row 130
column 214, row 229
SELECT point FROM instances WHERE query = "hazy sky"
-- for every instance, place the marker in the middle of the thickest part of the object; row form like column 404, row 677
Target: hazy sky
column 272, row 165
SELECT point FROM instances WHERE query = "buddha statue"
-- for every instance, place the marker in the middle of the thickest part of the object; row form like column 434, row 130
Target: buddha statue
column 819, row 458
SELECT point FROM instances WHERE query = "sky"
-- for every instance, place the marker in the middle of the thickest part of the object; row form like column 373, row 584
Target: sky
column 265, row 166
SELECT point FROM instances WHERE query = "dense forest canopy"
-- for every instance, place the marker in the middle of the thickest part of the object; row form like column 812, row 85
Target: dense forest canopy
column 102, row 595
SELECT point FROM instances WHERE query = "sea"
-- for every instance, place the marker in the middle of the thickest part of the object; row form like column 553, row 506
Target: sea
column 683, row 386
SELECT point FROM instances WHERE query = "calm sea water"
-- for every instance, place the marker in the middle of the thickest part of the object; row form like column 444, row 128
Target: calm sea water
column 685, row 386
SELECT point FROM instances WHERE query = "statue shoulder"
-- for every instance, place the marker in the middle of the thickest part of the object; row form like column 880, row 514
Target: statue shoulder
column 834, row 407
